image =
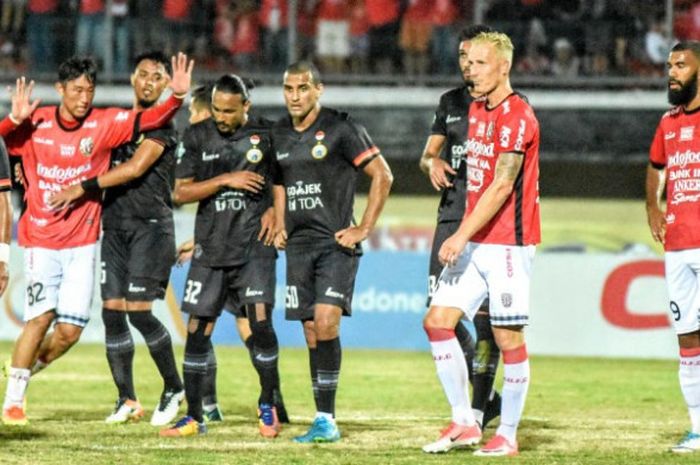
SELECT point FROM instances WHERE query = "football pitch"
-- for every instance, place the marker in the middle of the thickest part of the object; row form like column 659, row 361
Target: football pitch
column 579, row 411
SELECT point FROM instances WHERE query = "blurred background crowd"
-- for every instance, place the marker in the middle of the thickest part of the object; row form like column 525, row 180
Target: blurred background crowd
column 396, row 39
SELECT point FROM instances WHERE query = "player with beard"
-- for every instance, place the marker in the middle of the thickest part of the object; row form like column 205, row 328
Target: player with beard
column 138, row 247
column 224, row 166
column 444, row 162
column 491, row 252
column 200, row 110
column 674, row 163
column 319, row 152
column 60, row 146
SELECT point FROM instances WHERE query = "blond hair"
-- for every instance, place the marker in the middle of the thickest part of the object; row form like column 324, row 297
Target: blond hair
column 500, row 41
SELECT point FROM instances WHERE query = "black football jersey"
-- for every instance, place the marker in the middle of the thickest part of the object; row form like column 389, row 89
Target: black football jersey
column 228, row 223
column 150, row 196
column 318, row 168
column 5, row 173
column 452, row 121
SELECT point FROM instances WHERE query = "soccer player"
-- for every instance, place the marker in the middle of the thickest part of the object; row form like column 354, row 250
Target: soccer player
column 225, row 163
column 444, row 163
column 200, row 109
column 491, row 252
column 674, row 163
column 60, row 146
column 138, row 247
column 319, row 152
column 5, row 217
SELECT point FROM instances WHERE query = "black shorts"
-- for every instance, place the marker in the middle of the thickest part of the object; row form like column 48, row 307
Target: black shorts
column 319, row 276
column 136, row 262
column 208, row 290
column 442, row 232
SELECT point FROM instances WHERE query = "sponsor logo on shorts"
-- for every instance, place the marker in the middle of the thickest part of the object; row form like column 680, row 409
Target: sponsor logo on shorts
column 452, row 119
column 282, row 156
column 135, row 289
column 335, row 294
column 209, row 156
column 507, row 299
column 253, row 292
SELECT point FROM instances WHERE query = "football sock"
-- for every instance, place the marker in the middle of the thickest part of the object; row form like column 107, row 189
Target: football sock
column 466, row 341
column 516, row 379
column 485, row 364
column 159, row 345
column 209, row 380
column 38, row 366
column 313, row 369
column 452, row 372
column 329, row 357
column 195, row 368
column 17, row 383
column 120, row 351
column 266, row 354
column 689, row 375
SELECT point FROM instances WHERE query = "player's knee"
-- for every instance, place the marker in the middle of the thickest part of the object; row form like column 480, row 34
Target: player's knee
column 509, row 337
column 67, row 335
column 264, row 334
column 309, row 333
column 41, row 323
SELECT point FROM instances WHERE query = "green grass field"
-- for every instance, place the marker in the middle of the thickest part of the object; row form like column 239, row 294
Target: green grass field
column 579, row 411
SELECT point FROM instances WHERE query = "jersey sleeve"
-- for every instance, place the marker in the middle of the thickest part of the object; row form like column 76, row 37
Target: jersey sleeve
column 17, row 142
column 359, row 148
column 657, row 153
column 187, row 156
column 120, row 125
column 5, row 173
column 516, row 130
column 439, row 126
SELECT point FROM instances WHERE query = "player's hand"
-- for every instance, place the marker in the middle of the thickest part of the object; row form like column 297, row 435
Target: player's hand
column 185, row 252
column 246, row 180
column 22, row 108
column 439, row 169
column 267, row 227
column 350, row 237
column 451, row 250
column 281, row 239
column 182, row 74
column 4, row 277
column 657, row 223
column 64, row 198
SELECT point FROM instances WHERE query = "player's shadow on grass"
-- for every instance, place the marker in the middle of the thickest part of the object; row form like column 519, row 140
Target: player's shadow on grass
column 20, row 433
column 534, row 433
column 74, row 415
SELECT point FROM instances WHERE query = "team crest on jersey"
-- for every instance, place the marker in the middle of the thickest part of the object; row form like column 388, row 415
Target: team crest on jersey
column 319, row 151
column 87, row 145
column 254, row 155
column 507, row 299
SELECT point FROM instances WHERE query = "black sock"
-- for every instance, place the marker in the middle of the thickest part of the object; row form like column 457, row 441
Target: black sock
column 467, row 342
column 209, row 380
column 159, row 345
column 120, row 351
column 485, row 361
column 195, row 368
column 329, row 356
column 313, row 369
column 265, row 353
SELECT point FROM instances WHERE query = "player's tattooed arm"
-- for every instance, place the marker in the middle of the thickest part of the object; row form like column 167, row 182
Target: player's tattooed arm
column 435, row 167
column 508, row 167
column 656, row 217
column 380, row 173
column 279, row 199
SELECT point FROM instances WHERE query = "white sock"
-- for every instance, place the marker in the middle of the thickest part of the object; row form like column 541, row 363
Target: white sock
column 516, row 379
column 453, row 373
column 478, row 415
column 689, row 375
column 326, row 415
column 38, row 366
column 17, row 383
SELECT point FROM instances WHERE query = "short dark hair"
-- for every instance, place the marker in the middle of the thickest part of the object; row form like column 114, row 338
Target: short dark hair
column 77, row 66
column 304, row 66
column 233, row 84
column 691, row 45
column 201, row 95
column 469, row 32
column 156, row 56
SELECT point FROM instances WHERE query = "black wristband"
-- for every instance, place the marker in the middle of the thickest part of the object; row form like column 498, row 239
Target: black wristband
column 90, row 185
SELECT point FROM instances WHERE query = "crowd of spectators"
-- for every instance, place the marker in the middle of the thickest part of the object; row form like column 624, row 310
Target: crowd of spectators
column 566, row 38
